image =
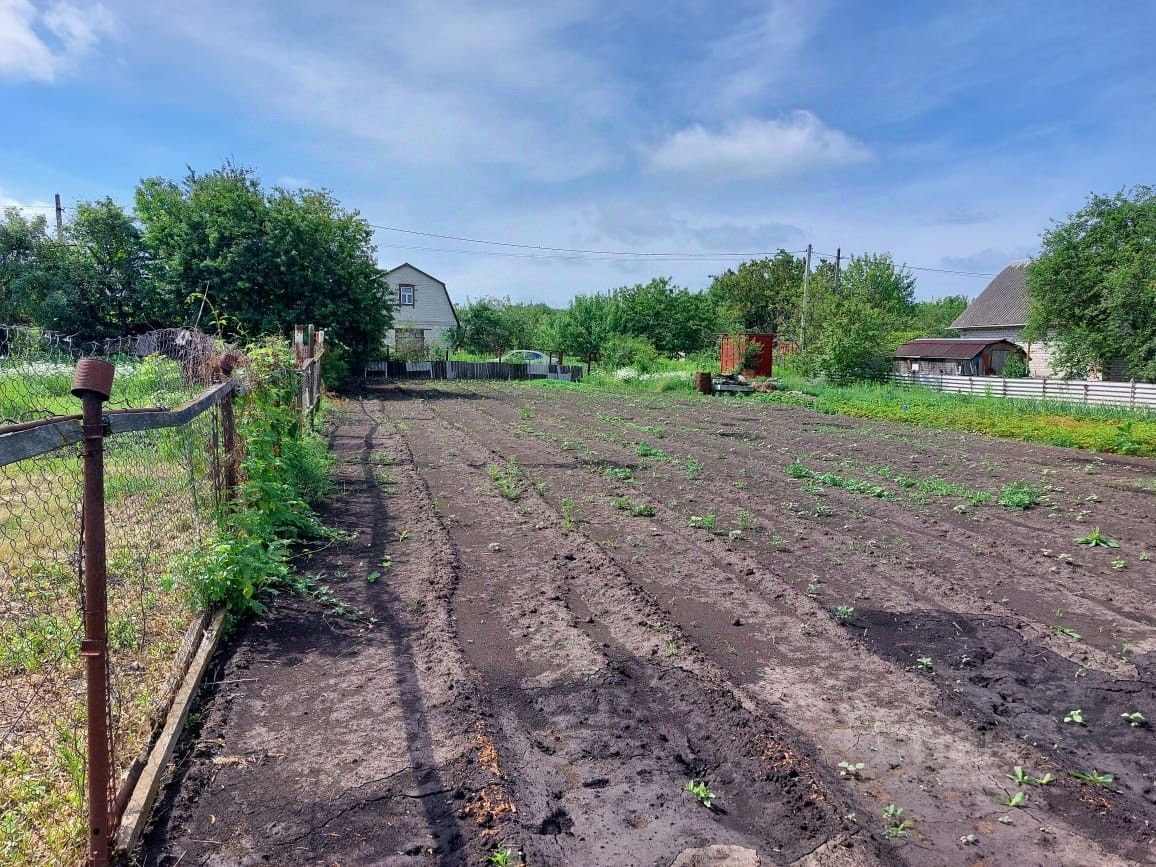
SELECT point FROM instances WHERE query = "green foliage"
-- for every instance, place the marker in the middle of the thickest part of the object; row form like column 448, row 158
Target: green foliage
column 622, row 350
column 668, row 317
column 1103, row 780
column 1016, row 367
column 933, row 318
column 583, row 328
column 1096, row 539
column 894, row 823
column 1094, row 285
column 701, row 792
column 283, row 468
column 267, row 260
column 491, row 326
column 1020, row 495
column 1097, row 428
column 762, row 295
column 262, row 261
column 708, row 522
column 861, row 321
column 506, row 479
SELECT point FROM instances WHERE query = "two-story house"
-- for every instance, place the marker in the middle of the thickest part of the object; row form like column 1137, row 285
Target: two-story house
column 423, row 314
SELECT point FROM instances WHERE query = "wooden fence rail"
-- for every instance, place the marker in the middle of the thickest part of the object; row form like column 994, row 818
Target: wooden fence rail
column 471, row 370
column 1135, row 395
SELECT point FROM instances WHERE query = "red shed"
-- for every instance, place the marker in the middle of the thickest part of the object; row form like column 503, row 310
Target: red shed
column 734, row 348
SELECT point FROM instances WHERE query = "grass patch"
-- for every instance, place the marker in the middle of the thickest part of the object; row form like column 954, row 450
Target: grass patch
column 1095, row 428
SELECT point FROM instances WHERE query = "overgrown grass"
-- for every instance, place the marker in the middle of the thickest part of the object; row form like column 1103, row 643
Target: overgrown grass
column 1095, row 428
column 1092, row 427
column 161, row 516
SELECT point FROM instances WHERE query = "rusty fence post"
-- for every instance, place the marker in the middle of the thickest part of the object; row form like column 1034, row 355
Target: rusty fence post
column 92, row 383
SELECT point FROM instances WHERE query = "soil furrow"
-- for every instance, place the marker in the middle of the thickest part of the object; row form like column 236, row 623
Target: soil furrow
column 784, row 637
column 604, row 756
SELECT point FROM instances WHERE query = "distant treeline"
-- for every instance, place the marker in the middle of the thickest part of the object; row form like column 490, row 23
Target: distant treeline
column 846, row 326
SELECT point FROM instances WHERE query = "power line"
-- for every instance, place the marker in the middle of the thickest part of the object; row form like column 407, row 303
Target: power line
column 548, row 253
column 607, row 257
column 921, row 267
column 546, row 249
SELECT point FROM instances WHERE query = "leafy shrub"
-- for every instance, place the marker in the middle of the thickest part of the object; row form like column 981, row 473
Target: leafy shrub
column 623, row 350
column 1015, row 367
column 282, row 469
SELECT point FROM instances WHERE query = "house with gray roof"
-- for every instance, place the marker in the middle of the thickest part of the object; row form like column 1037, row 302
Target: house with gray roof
column 1000, row 312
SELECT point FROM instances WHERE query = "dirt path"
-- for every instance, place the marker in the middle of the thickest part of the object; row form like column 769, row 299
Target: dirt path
column 327, row 739
column 555, row 649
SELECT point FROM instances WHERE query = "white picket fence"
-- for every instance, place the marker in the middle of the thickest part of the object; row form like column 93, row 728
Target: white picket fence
column 1129, row 394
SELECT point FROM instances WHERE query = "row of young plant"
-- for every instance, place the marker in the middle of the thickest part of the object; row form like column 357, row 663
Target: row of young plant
column 284, row 470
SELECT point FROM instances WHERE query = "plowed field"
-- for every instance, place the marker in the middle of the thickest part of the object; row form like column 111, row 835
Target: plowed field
column 581, row 601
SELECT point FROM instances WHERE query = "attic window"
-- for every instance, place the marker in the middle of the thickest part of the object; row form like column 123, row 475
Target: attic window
column 405, row 294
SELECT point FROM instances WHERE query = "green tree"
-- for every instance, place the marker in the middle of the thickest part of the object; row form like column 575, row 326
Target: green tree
column 933, row 318
column 670, row 318
column 863, row 318
column 483, row 329
column 763, row 295
column 265, row 261
column 583, row 328
column 33, row 271
column 1092, row 289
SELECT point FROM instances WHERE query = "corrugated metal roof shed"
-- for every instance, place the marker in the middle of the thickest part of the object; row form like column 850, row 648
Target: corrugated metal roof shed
column 960, row 348
column 1004, row 302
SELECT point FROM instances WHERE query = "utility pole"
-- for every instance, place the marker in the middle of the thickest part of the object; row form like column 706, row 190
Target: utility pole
column 803, row 314
column 59, row 219
column 838, row 257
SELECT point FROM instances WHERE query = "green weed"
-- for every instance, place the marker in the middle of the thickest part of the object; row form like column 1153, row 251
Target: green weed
column 701, row 793
column 1020, row 496
column 1096, row 539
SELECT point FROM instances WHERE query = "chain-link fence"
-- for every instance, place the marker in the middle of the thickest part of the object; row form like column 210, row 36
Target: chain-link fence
column 164, row 453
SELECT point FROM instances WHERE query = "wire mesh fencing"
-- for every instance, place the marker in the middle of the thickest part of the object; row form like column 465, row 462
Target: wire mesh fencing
column 169, row 454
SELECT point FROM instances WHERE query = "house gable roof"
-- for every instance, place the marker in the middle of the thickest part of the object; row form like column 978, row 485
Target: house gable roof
column 958, row 348
column 1004, row 302
column 419, row 270
column 453, row 309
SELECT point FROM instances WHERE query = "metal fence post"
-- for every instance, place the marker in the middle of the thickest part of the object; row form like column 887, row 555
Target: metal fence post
column 92, row 383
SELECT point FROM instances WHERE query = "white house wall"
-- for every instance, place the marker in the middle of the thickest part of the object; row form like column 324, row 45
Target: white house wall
column 431, row 310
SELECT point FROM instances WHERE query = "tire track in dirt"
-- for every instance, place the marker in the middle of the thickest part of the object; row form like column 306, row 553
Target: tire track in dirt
column 940, row 572
column 598, row 758
column 791, row 660
column 328, row 739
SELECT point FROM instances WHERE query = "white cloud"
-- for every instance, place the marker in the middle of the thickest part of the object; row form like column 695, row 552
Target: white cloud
column 755, row 148
column 421, row 84
column 40, row 44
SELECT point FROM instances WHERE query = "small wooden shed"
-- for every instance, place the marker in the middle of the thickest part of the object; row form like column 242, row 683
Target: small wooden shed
column 958, row 356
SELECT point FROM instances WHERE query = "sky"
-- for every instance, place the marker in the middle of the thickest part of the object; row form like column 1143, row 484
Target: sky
column 687, row 134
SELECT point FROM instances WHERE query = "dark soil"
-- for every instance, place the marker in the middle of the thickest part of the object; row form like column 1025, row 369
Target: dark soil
column 1000, row 684
column 648, row 598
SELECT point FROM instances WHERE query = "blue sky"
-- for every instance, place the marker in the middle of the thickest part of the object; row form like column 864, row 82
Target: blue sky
column 947, row 134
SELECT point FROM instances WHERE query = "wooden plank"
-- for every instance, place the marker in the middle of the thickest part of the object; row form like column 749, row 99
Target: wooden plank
column 144, row 794
column 25, row 444
column 127, row 422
